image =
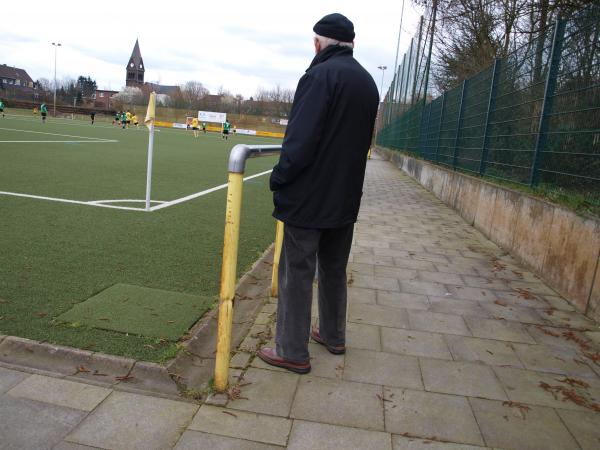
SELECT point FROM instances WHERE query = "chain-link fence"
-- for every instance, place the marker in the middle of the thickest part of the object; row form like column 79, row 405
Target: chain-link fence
column 532, row 118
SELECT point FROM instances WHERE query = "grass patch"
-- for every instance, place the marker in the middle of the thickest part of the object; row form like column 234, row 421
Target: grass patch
column 140, row 311
column 54, row 256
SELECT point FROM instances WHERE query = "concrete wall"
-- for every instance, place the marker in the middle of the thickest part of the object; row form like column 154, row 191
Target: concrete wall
column 561, row 247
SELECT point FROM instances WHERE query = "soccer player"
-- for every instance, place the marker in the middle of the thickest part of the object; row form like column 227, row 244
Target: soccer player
column 204, row 127
column 195, row 126
column 123, row 119
column 43, row 112
column 117, row 118
column 92, row 116
column 134, row 119
column 128, row 118
column 2, row 108
column 225, row 131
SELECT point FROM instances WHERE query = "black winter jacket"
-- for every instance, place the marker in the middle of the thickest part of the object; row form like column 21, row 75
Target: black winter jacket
column 319, row 178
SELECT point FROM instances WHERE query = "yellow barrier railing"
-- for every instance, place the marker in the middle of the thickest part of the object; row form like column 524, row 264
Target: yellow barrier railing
column 237, row 164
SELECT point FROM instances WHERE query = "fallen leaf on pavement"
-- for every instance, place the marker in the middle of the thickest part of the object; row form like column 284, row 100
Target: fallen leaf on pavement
column 523, row 409
column 125, row 378
column 81, row 369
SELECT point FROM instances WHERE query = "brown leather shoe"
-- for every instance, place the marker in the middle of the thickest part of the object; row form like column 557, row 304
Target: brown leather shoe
column 269, row 355
column 335, row 349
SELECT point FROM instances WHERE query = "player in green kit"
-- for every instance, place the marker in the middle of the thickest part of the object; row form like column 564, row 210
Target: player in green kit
column 43, row 112
column 123, row 119
column 225, row 131
column 2, row 108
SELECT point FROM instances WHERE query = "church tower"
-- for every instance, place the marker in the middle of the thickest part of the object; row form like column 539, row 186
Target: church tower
column 135, row 68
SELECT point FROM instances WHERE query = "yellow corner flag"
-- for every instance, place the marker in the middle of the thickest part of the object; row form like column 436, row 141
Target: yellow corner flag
column 151, row 113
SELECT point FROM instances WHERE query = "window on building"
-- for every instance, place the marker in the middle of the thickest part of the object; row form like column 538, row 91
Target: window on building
column 140, row 77
column 101, row 94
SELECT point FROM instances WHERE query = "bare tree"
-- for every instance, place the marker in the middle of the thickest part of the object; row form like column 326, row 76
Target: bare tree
column 192, row 93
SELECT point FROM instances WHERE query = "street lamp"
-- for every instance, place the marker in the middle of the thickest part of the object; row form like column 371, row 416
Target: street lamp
column 56, row 45
column 382, row 68
column 380, row 118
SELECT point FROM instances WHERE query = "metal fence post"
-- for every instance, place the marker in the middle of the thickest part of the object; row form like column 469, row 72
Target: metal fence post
column 491, row 103
column 414, row 87
column 237, row 165
column 458, row 125
column 277, row 255
column 437, row 145
column 550, row 88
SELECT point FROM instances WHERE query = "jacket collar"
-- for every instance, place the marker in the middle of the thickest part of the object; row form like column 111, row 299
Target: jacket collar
column 330, row 52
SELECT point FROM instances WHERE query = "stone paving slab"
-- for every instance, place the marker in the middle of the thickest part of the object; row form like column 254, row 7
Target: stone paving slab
column 10, row 378
column 358, row 295
column 584, row 426
column 242, row 425
column 487, row 351
column 59, row 392
column 499, row 330
column 527, row 386
column 437, row 322
column 392, row 369
column 70, row 446
column 339, row 403
column 451, row 305
column 311, row 436
column 156, row 422
column 521, row 428
column 430, row 415
column 461, row 378
column 27, row 424
column 378, row 315
column 402, row 300
column 194, row 440
column 415, row 343
column 269, row 392
column 363, row 336
column 405, row 443
column 559, row 360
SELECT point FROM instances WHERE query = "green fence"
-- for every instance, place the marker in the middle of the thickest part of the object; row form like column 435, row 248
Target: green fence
column 532, row 118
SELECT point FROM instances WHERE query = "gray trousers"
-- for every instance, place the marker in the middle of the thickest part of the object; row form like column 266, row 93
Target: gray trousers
column 300, row 250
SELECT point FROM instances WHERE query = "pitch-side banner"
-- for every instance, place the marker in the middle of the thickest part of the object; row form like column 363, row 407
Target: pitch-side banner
column 214, row 117
column 242, row 131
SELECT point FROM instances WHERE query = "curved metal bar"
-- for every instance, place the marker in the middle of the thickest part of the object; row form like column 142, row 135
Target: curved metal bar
column 241, row 152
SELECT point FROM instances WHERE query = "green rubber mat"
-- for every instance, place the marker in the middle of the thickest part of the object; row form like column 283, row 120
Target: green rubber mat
column 139, row 311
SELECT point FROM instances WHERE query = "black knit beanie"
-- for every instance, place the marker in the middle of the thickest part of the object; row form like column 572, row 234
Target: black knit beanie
column 335, row 26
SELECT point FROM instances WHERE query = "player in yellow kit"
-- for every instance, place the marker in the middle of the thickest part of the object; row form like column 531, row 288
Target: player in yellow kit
column 195, row 126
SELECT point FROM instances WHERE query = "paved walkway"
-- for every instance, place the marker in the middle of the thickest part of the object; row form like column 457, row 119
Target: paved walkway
column 451, row 346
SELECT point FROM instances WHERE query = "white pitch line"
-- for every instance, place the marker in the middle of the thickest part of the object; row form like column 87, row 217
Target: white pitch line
column 54, row 134
column 100, row 203
column 66, row 200
column 68, row 142
column 200, row 194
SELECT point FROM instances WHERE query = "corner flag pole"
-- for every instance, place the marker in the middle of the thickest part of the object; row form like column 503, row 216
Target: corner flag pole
column 149, row 121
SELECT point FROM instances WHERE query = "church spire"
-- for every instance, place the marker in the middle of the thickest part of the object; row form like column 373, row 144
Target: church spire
column 135, row 67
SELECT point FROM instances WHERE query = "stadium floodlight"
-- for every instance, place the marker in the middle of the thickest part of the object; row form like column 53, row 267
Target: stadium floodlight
column 382, row 68
column 56, row 45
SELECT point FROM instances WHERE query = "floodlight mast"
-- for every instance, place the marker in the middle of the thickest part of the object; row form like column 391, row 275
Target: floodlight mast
column 56, row 45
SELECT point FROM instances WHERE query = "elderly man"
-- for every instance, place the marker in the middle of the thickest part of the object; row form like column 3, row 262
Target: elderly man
column 317, row 187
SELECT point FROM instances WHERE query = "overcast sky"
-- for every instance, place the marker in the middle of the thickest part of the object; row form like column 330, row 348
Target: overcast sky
column 239, row 45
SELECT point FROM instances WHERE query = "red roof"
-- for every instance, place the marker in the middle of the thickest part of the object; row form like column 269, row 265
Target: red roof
column 14, row 73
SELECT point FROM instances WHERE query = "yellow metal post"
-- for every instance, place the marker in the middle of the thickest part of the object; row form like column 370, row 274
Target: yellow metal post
column 276, row 256
column 228, row 277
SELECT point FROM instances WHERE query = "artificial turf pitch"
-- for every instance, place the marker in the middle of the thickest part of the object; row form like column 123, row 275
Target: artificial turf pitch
column 56, row 255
